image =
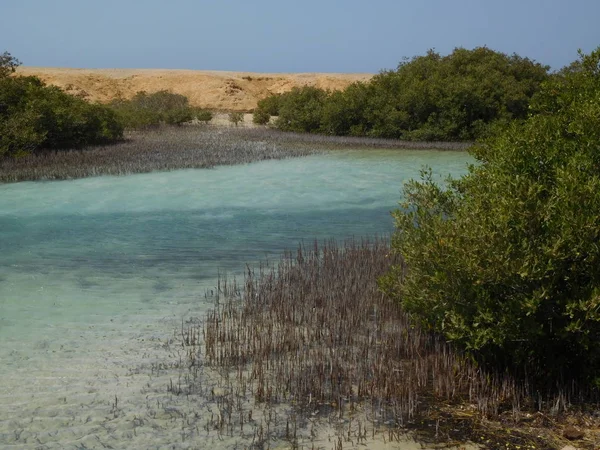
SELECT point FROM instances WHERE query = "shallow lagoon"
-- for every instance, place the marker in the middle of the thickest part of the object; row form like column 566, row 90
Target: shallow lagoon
column 97, row 273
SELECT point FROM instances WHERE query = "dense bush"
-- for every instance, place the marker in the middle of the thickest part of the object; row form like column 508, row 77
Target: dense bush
column 260, row 117
column 343, row 113
column 144, row 110
column 301, row 109
column 266, row 108
column 34, row 116
column 456, row 97
column 506, row 260
column 203, row 115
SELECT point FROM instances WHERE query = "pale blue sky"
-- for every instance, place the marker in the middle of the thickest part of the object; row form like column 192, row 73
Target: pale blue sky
column 288, row 36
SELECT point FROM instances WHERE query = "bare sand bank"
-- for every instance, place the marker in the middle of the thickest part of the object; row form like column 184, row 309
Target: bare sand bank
column 217, row 90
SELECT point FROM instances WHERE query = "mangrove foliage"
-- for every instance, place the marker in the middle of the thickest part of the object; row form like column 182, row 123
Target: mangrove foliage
column 432, row 97
column 505, row 261
column 34, row 116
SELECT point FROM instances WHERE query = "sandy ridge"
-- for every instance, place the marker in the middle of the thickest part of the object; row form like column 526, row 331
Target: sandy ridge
column 217, row 90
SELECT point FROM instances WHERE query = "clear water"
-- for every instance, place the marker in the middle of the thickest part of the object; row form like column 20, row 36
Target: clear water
column 96, row 274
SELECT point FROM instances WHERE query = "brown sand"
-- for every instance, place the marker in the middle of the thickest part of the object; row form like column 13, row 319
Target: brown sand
column 216, row 90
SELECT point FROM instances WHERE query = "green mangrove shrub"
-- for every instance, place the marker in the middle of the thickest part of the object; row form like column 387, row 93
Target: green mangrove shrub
column 458, row 97
column 163, row 107
column 260, row 117
column 36, row 117
column 266, row 107
column 236, row 117
column 506, row 260
column 454, row 97
column 343, row 113
column 203, row 115
column 300, row 109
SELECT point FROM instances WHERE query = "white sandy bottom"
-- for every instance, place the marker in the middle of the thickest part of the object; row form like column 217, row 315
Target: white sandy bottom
column 109, row 387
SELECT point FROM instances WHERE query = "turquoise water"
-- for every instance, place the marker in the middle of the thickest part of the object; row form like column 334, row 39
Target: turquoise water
column 96, row 274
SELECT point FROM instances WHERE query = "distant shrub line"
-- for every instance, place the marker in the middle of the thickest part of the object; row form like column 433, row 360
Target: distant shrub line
column 35, row 117
column 462, row 96
column 146, row 110
column 459, row 97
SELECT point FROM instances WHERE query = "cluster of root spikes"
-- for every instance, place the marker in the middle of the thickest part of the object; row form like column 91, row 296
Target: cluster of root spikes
column 161, row 149
column 315, row 332
column 186, row 147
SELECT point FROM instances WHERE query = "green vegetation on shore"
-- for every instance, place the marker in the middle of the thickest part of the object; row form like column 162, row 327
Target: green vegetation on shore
column 461, row 96
column 505, row 261
column 35, row 116
column 146, row 110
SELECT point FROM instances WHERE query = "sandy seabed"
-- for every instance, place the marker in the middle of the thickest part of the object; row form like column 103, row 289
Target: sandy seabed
column 121, row 384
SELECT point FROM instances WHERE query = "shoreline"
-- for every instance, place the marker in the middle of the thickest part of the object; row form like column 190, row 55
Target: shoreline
column 167, row 148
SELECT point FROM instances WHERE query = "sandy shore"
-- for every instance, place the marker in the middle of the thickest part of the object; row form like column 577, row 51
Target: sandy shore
column 216, row 90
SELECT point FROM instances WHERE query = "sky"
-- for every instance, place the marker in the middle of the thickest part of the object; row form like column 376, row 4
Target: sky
column 289, row 36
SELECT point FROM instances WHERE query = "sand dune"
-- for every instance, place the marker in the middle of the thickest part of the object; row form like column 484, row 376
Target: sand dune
column 217, row 90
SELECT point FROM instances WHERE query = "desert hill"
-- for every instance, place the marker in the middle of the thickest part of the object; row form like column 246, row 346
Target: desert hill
column 216, row 90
